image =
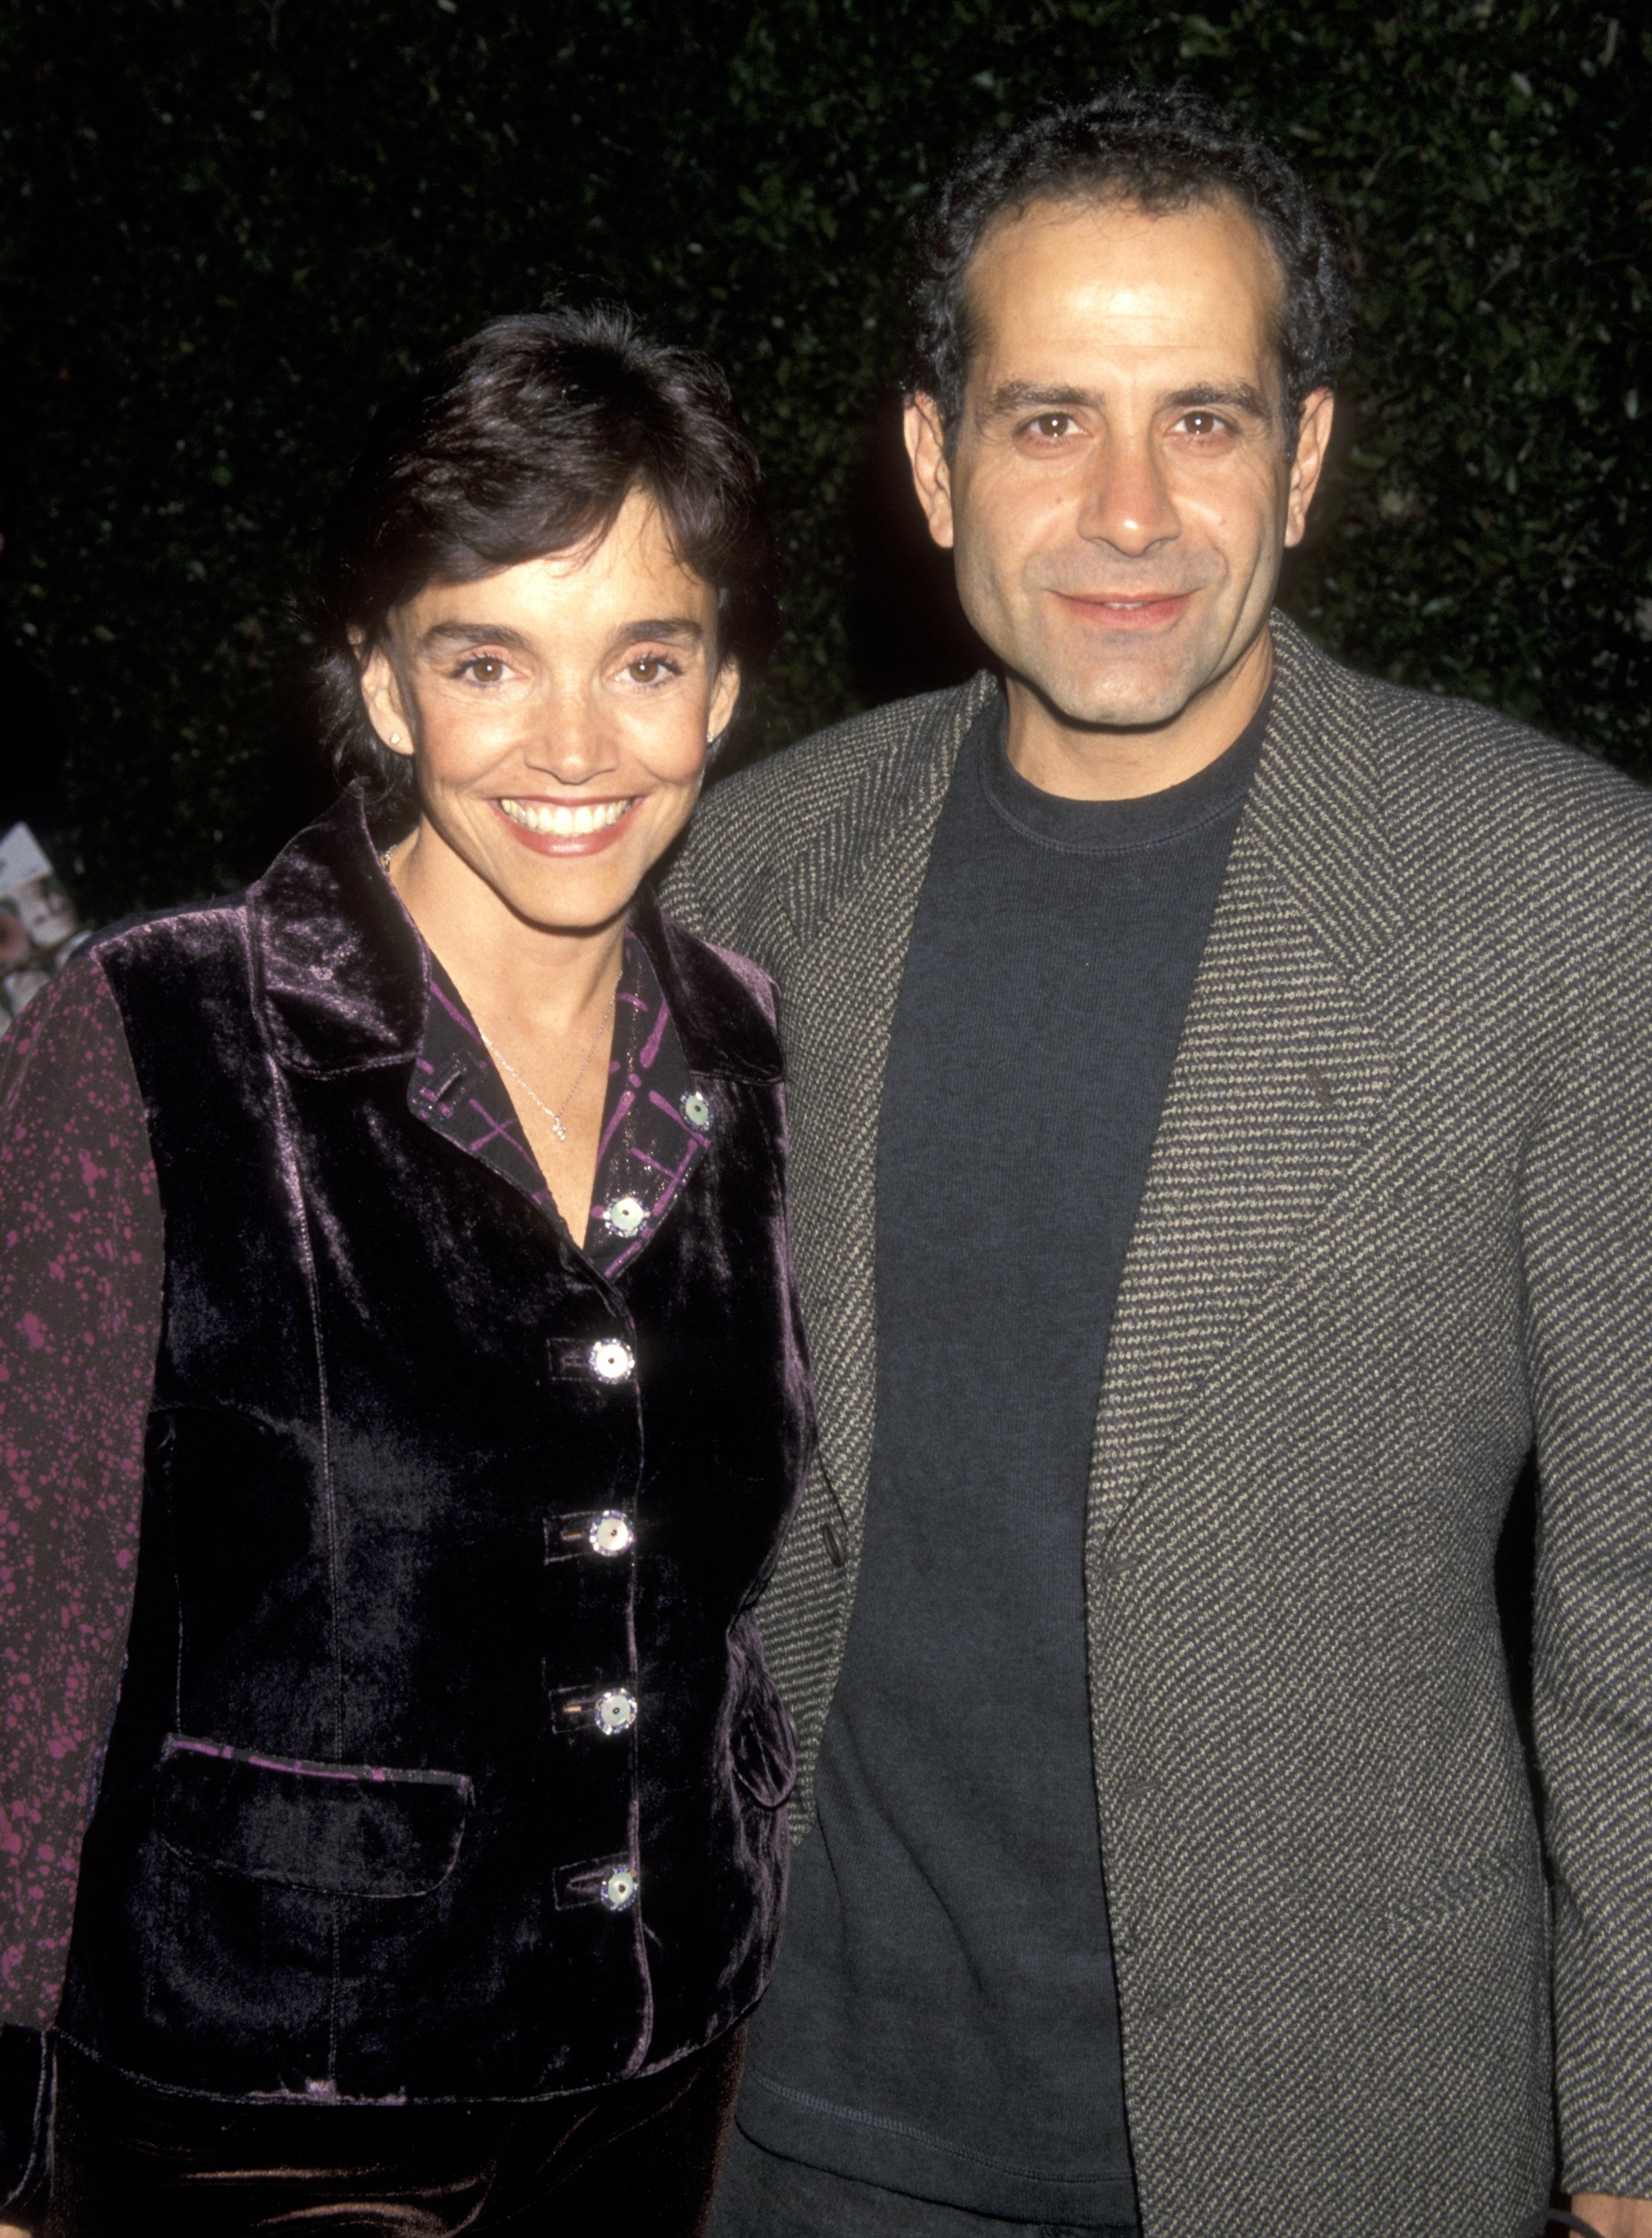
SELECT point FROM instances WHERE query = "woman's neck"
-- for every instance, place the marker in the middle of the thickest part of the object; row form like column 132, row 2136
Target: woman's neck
column 509, row 971
column 543, row 1000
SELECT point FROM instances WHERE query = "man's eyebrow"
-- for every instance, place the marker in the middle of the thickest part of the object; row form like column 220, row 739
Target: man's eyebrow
column 1034, row 396
column 1237, row 396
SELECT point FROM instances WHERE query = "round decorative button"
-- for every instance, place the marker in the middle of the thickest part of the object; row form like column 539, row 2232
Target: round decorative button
column 697, row 1110
column 611, row 1533
column 615, row 1711
column 610, row 1360
column 618, row 1891
column 624, row 1215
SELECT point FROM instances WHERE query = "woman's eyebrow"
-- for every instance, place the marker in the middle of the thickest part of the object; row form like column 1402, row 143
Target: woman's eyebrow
column 680, row 629
column 676, row 629
column 440, row 634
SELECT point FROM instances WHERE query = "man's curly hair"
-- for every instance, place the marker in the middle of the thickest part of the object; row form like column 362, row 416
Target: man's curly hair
column 1157, row 151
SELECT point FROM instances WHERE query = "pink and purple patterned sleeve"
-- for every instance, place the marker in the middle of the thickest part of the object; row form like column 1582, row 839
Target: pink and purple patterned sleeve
column 80, row 1274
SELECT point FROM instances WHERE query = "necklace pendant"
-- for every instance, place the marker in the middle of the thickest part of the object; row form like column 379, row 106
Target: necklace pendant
column 557, row 1127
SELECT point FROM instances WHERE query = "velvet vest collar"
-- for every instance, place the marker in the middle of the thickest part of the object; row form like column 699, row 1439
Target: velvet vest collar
column 345, row 978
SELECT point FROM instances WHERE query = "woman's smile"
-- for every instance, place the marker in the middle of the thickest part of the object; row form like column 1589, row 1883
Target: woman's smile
column 559, row 828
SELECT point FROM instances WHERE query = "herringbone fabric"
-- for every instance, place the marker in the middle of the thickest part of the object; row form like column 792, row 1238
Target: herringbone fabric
column 1397, row 1227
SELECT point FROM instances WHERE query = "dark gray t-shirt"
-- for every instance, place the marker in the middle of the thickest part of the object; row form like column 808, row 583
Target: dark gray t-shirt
column 943, row 2020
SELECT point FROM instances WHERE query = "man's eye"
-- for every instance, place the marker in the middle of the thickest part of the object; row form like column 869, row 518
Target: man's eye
column 1051, row 426
column 1203, row 423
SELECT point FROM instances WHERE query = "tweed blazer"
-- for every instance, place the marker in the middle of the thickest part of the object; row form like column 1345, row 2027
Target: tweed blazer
column 1397, row 1231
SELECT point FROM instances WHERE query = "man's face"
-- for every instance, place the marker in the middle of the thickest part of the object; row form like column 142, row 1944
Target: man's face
column 1121, row 486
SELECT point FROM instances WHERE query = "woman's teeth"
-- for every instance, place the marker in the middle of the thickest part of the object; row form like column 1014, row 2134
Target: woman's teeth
column 565, row 822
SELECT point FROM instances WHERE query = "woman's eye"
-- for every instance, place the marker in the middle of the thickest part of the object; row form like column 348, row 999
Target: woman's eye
column 650, row 667
column 483, row 668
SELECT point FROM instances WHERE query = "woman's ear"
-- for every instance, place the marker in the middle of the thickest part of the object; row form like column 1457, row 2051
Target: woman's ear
column 725, row 698
column 381, row 697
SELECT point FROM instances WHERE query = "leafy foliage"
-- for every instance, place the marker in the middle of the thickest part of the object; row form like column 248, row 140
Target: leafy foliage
column 234, row 222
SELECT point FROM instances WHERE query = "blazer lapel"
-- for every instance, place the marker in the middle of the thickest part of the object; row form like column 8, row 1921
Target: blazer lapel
column 1279, row 1078
column 838, row 1007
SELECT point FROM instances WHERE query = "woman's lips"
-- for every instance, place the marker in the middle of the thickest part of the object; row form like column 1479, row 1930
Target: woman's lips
column 564, row 828
column 1128, row 613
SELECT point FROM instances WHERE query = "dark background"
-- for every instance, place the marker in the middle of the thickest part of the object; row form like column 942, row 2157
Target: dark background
column 232, row 223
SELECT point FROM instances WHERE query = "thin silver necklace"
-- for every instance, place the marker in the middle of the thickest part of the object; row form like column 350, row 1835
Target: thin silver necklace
column 503, row 1063
column 557, row 1127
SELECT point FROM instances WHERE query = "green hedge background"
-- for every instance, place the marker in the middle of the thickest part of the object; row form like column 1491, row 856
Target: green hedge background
column 231, row 222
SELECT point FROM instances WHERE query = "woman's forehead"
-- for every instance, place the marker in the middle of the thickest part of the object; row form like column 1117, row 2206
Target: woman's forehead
column 632, row 571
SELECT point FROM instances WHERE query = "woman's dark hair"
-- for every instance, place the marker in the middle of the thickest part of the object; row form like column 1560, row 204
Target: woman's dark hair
column 527, row 439
column 1160, row 151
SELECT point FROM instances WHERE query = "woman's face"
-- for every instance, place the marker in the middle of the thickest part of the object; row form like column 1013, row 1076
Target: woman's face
column 558, row 713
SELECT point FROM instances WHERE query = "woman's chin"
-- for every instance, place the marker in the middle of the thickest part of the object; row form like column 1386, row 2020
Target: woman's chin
column 573, row 896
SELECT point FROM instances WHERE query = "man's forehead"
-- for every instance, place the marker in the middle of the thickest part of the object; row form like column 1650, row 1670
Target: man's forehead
column 1106, row 276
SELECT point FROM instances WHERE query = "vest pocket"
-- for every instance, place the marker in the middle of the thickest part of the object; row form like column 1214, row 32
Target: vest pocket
column 341, row 1829
column 761, row 1740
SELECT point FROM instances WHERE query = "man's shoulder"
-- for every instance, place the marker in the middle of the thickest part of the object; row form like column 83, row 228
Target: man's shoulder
column 1486, row 814
column 858, row 763
column 1481, row 755
column 1517, row 815
column 804, row 818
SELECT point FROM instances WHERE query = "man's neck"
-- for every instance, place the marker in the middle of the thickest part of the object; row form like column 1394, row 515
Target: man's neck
column 1089, row 762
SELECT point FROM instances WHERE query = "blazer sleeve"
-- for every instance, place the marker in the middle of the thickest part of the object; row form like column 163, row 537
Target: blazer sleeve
column 680, row 893
column 1587, row 1234
column 715, row 882
column 80, row 1317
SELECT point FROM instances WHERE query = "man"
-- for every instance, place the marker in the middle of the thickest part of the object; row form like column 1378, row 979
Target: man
column 1218, row 1091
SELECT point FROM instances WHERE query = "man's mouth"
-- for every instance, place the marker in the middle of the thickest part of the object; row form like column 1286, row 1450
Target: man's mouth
column 557, row 820
column 1150, row 610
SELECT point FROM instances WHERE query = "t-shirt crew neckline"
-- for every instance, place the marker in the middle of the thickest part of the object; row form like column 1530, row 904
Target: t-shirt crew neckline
column 1112, row 827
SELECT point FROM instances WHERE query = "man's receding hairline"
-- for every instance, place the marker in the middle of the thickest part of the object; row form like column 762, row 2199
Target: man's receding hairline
column 1121, row 193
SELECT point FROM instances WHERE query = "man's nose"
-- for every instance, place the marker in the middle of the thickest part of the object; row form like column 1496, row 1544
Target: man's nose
column 1127, row 501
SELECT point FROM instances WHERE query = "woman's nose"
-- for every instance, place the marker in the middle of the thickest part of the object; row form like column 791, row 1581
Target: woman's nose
column 567, row 739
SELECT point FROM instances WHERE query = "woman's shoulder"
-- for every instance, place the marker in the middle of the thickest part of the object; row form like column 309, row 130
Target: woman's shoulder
column 757, row 983
column 69, row 1040
column 73, row 1140
column 169, row 940
column 73, row 1047
column 723, row 1003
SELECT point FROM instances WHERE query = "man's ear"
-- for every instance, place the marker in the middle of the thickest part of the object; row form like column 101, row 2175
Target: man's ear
column 925, row 445
column 1313, row 442
column 381, row 697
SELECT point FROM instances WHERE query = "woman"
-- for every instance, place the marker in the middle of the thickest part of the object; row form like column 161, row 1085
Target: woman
column 411, row 1228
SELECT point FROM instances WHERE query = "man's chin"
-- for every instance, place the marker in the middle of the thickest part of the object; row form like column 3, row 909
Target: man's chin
column 1114, row 704
column 1132, row 687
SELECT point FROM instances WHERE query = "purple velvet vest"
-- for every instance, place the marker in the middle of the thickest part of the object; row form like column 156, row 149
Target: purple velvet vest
column 446, row 1764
